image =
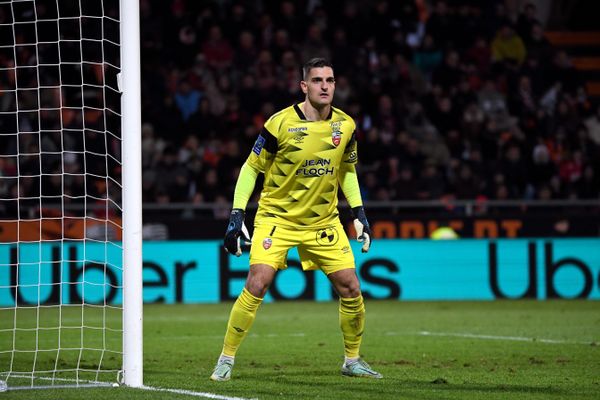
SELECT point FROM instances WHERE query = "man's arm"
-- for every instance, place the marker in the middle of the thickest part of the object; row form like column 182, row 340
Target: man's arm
column 349, row 184
column 259, row 160
column 244, row 186
column 237, row 233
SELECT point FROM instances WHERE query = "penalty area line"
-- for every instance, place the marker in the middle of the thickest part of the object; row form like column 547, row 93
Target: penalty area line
column 205, row 395
column 495, row 337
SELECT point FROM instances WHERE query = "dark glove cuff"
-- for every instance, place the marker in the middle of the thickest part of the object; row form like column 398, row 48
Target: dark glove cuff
column 359, row 213
column 236, row 219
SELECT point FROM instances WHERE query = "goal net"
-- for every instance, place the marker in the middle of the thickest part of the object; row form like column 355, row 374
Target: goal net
column 61, row 193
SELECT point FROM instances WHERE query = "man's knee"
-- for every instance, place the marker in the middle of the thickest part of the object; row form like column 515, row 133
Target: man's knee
column 350, row 290
column 259, row 279
column 346, row 283
column 257, row 287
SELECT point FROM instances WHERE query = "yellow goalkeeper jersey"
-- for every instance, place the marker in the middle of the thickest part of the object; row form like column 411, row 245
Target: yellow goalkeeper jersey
column 301, row 161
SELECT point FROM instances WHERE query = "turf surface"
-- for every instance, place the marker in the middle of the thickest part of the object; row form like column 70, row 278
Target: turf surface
column 452, row 350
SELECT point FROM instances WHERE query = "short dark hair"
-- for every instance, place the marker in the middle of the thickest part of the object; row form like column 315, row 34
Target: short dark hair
column 316, row 62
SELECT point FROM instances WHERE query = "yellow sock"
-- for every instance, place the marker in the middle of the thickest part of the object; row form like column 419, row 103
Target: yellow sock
column 240, row 321
column 352, row 322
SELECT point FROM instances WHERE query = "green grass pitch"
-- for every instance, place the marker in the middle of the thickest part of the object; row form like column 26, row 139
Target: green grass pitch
column 473, row 350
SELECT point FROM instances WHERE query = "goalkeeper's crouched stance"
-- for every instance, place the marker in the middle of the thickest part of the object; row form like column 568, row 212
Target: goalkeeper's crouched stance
column 306, row 152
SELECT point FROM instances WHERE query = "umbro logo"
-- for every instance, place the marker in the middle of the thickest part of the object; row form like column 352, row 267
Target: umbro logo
column 299, row 138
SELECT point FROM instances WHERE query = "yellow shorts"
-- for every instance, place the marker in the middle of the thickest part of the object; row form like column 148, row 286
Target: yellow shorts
column 327, row 249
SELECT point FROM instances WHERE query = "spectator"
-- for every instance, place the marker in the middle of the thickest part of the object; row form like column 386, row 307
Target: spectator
column 542, row 169
column 187, row 100
column 405, row 187
column 343, row 92
column 508, row 47
column 562, row 71
column 434, row 149
column 467, row 184
column 246, row 52
column 290, row 74
column 571, row 167
column 512, row 166
column 172, row 179
column 342, row 53
column 439, row 25
column 314, row 45
column 205, row 123
column 217, row 50
column 430, row 185
column 588, row 186
column 427, row 57
column 527, row 19
column 444, row 116
column 523, row 102
column 538, row 47
column 493, row 104
column 238, row 22
column 292, row 20
column 592, row 124
column 448, row 74
column 479, row 54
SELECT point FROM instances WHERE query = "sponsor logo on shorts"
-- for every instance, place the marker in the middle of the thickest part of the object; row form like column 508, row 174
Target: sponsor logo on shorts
column 346, row 249
column 267, row 243
column 327, row 236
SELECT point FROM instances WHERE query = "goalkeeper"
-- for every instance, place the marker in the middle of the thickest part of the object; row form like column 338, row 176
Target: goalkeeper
column 306, row 152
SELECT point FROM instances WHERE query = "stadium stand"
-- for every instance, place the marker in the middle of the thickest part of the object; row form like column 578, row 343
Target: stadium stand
column 453, row 99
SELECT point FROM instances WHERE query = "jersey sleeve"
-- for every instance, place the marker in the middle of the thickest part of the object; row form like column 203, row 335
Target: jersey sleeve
column 347, row 178
column 244, row 186
column 349, row 184
column 350, row 153
column 266, row 145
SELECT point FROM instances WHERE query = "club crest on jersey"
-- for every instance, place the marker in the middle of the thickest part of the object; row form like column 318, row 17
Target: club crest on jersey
column 336, row 138
column 267, row 243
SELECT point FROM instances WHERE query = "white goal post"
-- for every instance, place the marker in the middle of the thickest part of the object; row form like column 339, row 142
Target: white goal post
column 70, row 194
column 132, row 194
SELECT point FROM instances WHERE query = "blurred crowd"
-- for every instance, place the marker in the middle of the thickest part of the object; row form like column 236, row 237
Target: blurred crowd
column 452, row 99
column 455, row 99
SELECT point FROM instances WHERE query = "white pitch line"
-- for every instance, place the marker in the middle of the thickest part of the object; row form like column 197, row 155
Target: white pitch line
column 74, row 383
column 192, row 393
column 93, row 384
column 494, row 337
column 421, row 333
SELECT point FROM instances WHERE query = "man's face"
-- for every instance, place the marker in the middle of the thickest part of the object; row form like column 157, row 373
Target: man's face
column 319, row 86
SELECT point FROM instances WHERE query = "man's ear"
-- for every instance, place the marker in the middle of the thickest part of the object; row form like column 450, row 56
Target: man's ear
column 304, row 87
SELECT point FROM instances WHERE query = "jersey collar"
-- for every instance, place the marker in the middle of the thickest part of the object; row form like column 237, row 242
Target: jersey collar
column 303, row 117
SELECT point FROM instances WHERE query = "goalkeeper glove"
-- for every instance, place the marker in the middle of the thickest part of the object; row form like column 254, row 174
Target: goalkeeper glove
column 363, row 230
column 237, row 233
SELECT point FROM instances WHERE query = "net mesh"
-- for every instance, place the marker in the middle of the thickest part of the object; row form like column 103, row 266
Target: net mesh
column 60, row 192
